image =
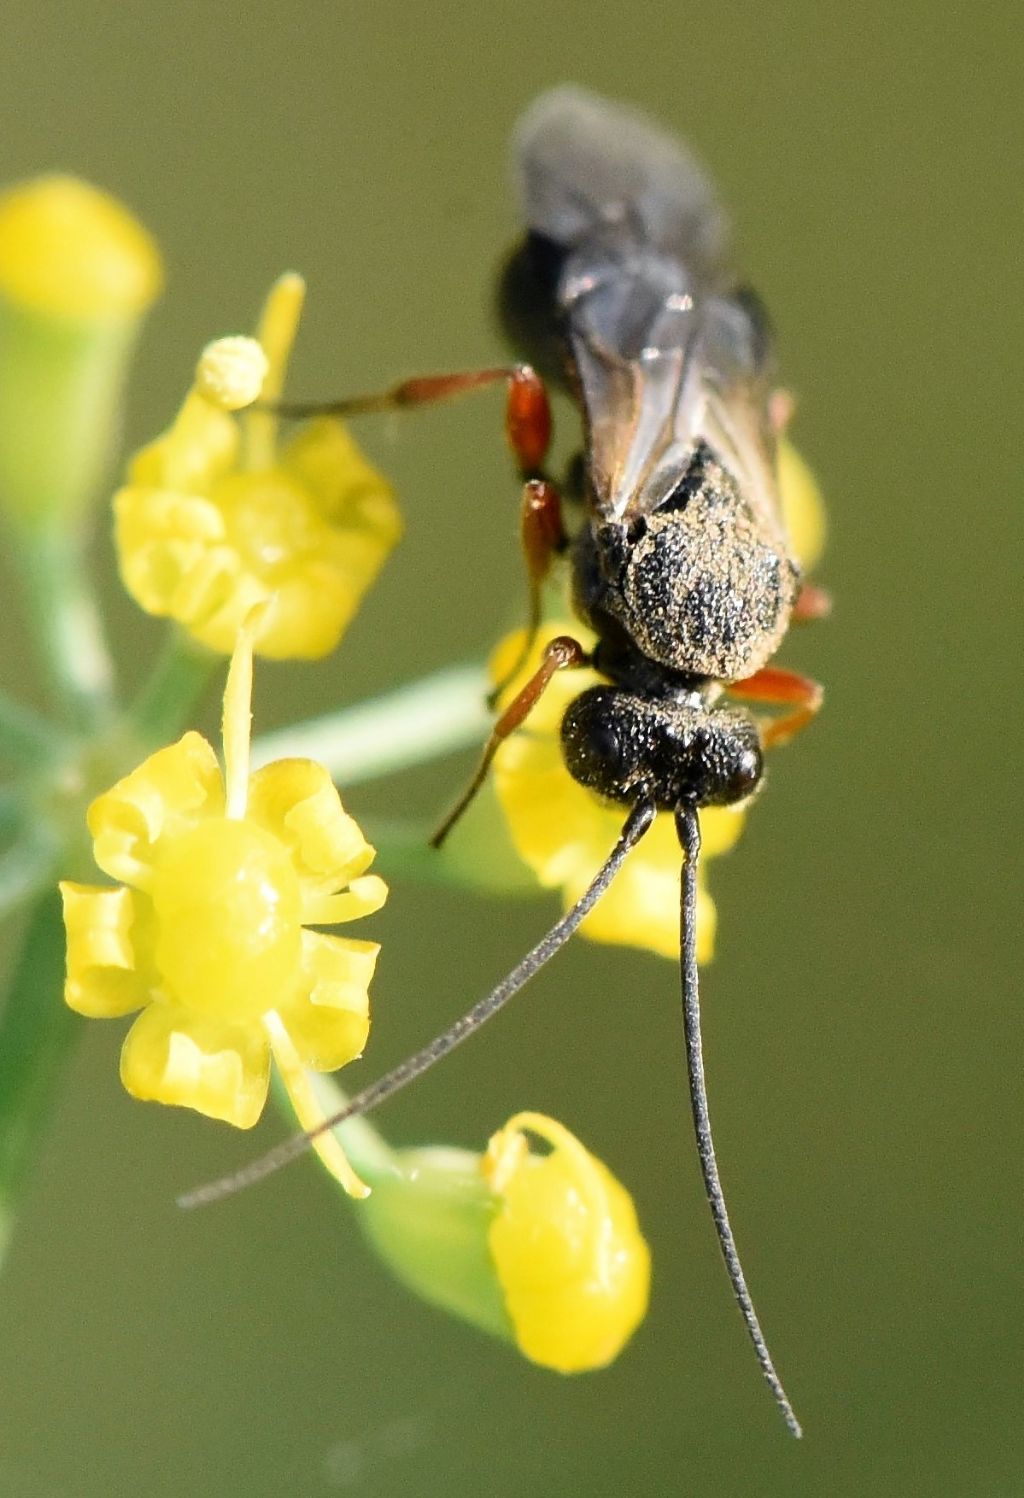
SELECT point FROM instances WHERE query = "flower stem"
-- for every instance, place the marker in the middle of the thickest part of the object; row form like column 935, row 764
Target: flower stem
column 437, row 715
column 367, row 1149
column 25, row 737
column 36, row 1032
column 65, row 621
column 24, row 869
column 180, row 675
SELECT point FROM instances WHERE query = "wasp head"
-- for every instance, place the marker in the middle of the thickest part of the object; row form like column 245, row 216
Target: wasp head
column 626, row 747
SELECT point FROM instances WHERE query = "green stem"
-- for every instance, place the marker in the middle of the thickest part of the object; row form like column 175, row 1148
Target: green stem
column 369, row 1151
column 177, row 680
column 36, row 1032
column 24, row 869
column 25, row 737
column 428, row 718
column 14, row 810
column 65, row 620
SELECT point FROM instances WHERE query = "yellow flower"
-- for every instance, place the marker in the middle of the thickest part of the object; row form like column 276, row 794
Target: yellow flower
column 217, row 518
column 221, row 874
column 566, row 1247
column 563, row 831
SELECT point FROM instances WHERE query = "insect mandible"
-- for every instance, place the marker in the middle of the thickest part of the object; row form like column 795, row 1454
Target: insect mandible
column 621, row 291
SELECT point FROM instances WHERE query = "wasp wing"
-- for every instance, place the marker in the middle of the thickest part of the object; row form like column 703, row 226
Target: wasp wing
column 585, row 166
column 666, row 354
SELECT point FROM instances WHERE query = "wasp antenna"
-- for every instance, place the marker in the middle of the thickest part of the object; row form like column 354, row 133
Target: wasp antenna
column 688, row 829
column 636, row 824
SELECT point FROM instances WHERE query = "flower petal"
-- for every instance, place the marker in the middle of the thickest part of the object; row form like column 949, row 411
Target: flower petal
column 803, row 509
column 296, row 800
column 102, row 978
column 641, row 908
column 171, row 790
column 347, row 489
column 364, row 896
column 329, row 1023
column 171, row 1055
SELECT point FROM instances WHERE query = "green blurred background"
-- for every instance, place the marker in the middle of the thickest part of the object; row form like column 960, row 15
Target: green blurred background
column 861, row 1011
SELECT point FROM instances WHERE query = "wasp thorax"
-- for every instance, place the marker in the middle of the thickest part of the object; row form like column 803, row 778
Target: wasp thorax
column 626, row 747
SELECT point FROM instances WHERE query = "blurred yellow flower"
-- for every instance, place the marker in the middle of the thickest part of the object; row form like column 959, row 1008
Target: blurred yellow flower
column 71, row 251
column 573, row 1266
column 803, row 509
column 217, row 518
column 206, row 934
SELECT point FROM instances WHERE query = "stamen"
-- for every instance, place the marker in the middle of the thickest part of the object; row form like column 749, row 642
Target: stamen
column 278, row 327
column 307, row 1109
column 236, row 727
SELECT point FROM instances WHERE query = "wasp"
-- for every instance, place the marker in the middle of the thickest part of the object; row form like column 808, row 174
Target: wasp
column 622, row 292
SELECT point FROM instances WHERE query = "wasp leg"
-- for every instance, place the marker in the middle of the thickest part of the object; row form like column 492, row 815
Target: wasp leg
column 782, row 688
column 562, row 654
column 781, row 409
column 543, row 538
column 527, row 411
column 812, row 603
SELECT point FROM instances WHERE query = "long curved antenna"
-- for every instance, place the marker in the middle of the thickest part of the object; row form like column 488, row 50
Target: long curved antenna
column 636, row 824
column 688, row 829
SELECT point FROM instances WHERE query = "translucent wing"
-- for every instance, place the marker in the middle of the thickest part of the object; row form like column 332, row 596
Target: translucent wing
column 584, row 164
column 666, row 353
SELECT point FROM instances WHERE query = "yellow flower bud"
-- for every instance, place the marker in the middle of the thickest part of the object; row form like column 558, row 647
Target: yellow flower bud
column 544, row 1251
column 567, row 1248
column 76, row 274
column 230, row 372
column 68, row 250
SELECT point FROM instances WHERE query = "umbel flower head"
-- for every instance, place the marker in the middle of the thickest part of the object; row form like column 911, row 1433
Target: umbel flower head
column 221, row 874
column 563, row 831
column 217, row 517
column 541, row 1250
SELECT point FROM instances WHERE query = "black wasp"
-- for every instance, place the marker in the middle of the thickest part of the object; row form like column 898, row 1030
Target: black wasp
column 621, row 291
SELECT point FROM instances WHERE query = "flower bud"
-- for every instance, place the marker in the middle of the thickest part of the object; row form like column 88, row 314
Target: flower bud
column 544, row 1251
column 77, row 272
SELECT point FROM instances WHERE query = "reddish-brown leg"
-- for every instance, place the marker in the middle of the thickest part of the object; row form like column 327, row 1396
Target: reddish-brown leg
column 782, row 689
column 812, row 603
column 562, row 654
column 781, row 406
column 527, row 411
column 543, row 538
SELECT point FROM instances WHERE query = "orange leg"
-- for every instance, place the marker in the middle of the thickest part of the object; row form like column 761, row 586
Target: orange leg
column 527, row 411
column 781, row 407
column 812, row 603
column 562, row 654
column 543, row 538
column 782, row 689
